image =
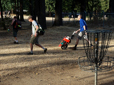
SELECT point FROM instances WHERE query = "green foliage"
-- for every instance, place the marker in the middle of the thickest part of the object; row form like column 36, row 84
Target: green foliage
column 99, row 5
column 10, row 4
column 104, row 5
column 50, row 5
column 93, row 5
column 7, row 4
column 26, row 4
column 67, row 5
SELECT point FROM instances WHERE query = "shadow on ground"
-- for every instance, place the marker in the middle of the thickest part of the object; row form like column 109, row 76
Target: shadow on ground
column 108, row 83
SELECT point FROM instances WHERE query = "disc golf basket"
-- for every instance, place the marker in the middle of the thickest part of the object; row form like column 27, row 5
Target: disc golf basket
column 95, row 59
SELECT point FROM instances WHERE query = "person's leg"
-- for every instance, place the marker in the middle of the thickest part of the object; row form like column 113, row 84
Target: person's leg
column 85, row 37
column 77, row 41
column 40, row 46
column 45, row 49
column 89, row 42
column 31, row 47
column 15, row 36
column 75, row 47
column 16, row 40
column 37, row 44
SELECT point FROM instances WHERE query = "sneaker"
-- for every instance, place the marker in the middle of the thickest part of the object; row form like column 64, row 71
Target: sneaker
column 30, row 53
column 45, row 50
column 91, row 46
column 74, row 48
column 16, row 42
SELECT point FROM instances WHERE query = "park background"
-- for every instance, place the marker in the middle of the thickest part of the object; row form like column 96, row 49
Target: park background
column 59, row 19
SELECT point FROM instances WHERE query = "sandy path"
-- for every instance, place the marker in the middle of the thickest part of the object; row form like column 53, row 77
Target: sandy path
column 56, row 67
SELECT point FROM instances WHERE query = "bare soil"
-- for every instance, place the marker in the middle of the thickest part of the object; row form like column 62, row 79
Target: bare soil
column 56, row 67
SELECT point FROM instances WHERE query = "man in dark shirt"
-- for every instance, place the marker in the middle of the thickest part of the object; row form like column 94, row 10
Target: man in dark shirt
column 15, row 29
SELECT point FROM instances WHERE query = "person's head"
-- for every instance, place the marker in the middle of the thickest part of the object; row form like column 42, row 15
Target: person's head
column 30, row 19
column 15, row 17
column 79, row 16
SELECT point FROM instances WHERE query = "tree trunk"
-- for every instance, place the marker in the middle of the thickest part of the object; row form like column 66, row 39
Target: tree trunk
column 83, row 9
column 3, row 22
column 34, row 9
column 21, row 10
column 111, row 6
column 1, row 10
column 73, row 5
column 17, row 9
column 58, row 13
column 30, row 7
column 41, row 13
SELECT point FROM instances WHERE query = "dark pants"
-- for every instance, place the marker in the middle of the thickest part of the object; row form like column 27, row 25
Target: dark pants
column 15, row 32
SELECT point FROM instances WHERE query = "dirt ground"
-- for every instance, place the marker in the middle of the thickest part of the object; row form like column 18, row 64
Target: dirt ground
column 56, row 67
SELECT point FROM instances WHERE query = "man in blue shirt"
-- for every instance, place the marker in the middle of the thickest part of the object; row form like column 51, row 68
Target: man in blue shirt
column 82, row 31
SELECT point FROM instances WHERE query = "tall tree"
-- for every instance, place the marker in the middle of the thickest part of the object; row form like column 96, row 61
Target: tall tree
column 73, row 5
column 111, row 6
column 34, row 9
column 15, row 6
column 58, row 13
column 21, row 10
column 3, row 22
column 40, row 4
column 31, row 7
column 17, row 9
column 1, row 10
column 83, row 9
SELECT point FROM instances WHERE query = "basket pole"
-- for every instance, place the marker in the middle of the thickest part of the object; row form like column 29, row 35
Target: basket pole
column 96, row 55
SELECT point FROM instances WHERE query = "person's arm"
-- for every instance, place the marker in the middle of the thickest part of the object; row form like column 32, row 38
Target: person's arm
column 84, row 27
column 77, row 31
column 83, row 23
column 36, row 30
column 12, row 22
column 34, row 23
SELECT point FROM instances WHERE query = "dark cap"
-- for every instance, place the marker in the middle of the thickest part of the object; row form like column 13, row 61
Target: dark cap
column 15, row 17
